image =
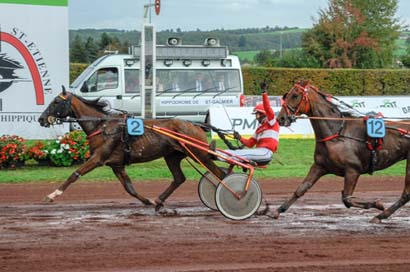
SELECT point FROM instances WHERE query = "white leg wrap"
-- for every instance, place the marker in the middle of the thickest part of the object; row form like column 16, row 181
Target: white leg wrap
column 55, row 194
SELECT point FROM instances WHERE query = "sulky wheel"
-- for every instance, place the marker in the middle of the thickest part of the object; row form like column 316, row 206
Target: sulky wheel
column 229, row 205
column 207, row 189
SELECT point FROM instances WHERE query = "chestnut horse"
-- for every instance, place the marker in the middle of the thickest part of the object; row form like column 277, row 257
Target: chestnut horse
column 111, row 145
column 343, row 147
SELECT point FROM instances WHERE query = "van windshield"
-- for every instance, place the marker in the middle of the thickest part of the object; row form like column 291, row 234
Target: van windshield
column 80, row 79
column 85, row 74
column 198, row 80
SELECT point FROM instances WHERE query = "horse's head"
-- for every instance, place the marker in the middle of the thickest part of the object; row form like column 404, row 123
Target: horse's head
column 59, row 108
column 294, row 102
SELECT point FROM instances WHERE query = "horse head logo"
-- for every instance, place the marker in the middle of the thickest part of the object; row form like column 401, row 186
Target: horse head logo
column 7, row 69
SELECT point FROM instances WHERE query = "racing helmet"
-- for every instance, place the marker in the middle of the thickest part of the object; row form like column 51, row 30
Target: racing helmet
column 259, row 108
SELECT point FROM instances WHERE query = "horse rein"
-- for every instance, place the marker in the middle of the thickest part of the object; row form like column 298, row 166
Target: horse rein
column 292, row 112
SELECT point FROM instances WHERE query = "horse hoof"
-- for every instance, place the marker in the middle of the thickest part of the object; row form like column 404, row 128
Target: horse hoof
column 158, row 207
column 167, row 212
column 275, row 214
column 378, row 204
column 375, row 220
column 48, row 199
column 149, row 202
column 264, row 211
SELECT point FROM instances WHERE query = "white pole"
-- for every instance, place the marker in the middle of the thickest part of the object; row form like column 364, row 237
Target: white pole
column 280, row 49
column 142, row 73
column 154, row 72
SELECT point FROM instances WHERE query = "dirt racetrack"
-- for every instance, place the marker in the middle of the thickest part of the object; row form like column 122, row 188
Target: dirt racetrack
column 98, row 227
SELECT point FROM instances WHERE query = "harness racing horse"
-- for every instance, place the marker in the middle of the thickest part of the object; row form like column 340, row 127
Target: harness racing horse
column 110, row 145
column 343, row 147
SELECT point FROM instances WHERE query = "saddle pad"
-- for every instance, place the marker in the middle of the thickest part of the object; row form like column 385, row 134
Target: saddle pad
column 135, row 126
column 375, row 128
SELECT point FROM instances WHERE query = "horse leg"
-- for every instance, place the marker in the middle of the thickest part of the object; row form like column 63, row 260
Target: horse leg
column 313, row 176
column 213, row 168
column 405, row 197
column 88, row 166
column 174, row 164
column 125, row 180
column 351, row 178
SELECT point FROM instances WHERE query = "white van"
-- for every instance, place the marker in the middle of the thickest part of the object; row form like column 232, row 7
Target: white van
column 189, row 79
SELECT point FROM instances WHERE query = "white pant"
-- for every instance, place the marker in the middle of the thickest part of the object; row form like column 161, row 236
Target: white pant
column 254, row 154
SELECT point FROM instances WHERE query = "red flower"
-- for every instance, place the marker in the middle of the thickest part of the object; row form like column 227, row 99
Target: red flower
column 13, row 150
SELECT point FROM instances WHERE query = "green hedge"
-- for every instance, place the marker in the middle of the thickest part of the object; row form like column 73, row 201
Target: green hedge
column 342, row 82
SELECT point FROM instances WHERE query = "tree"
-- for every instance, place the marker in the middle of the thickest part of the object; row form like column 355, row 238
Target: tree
column 264, row 58
column 91, row 49
column 109, row 43
column 78, row 52
column 105, row 40
column 242, row 41
column 295, row 58
column 354, row 33
column 405, row 60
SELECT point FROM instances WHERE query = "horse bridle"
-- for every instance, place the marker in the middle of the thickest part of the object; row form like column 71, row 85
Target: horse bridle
column 67, row 98
column 292, row 111
column 65, row 107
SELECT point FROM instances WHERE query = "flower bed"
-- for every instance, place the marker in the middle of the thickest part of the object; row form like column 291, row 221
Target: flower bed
column 12, row 151
column 38, row 151
column 72, row 148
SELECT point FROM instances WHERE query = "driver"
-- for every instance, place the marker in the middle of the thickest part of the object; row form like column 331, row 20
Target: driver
column 266, row 136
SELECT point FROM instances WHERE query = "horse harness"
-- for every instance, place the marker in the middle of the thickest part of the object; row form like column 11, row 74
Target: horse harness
column 373, row 144
column 293, row 112
column 101, row 127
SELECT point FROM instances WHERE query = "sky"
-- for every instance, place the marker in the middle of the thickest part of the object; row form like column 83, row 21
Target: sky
column 203, row 14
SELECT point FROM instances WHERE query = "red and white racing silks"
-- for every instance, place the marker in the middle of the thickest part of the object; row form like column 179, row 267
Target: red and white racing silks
column 267, row 134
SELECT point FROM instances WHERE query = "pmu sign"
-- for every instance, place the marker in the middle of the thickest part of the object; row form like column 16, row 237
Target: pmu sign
column 243, row 121
column 33, row 63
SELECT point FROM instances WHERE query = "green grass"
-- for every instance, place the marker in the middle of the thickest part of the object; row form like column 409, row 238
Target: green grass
column 246, row 55
column 296, row 155
column 400, row 48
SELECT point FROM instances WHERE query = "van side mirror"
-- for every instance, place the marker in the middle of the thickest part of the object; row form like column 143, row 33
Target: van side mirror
column 84, row 88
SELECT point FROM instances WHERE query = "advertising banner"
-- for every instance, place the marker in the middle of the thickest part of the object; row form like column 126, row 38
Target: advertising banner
column 34, row 64
column 242, row 120
column 390, row 104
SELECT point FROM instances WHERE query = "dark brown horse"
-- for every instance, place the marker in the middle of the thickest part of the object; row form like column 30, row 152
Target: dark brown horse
column 111, row 145
column 343, row 147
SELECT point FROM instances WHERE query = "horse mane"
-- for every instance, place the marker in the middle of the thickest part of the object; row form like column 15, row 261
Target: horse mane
column 342, row 107
column 345, row 109
column 97, row 104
